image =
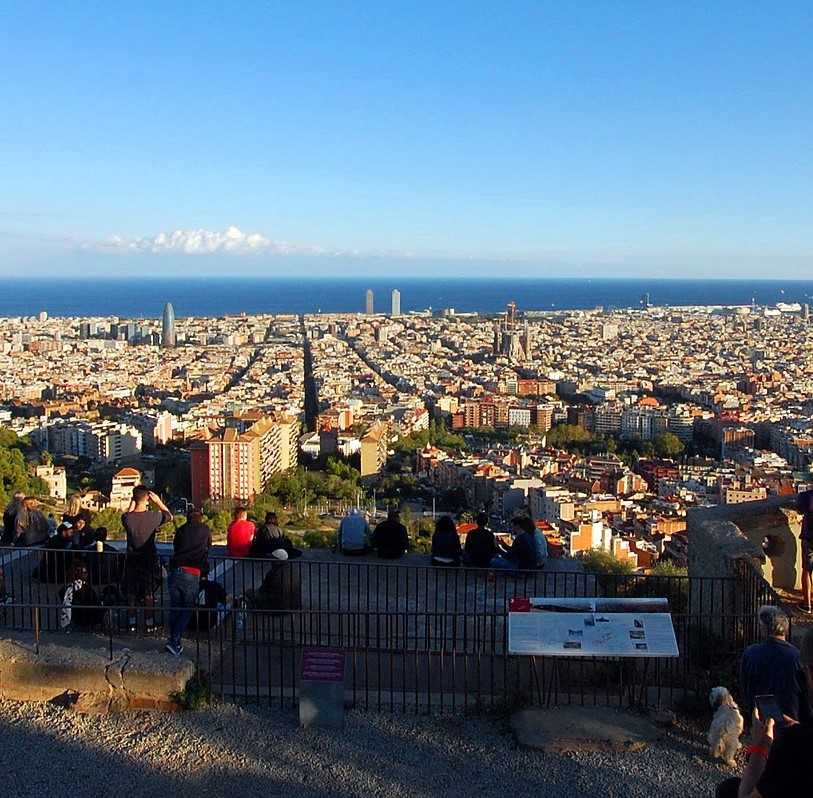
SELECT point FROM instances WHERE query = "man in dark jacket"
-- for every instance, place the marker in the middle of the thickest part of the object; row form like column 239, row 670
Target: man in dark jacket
column 269, row 537
column 480, row 544
column 391, row 538
column 190, row 562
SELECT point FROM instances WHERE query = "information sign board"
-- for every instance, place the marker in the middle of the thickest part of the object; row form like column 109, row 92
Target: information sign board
column 572, row 627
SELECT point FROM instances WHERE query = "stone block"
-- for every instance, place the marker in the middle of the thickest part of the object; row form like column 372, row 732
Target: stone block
column 156, row 674
column 321, row 704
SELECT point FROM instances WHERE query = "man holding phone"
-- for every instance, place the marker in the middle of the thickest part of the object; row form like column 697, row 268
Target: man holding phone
column 773, row 667
column 778, row 759
column 781, row 767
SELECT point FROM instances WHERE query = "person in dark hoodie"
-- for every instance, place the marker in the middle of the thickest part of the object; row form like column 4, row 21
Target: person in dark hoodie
column 190, row 563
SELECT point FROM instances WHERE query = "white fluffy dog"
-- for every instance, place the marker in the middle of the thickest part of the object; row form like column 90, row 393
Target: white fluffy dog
column 726, row 726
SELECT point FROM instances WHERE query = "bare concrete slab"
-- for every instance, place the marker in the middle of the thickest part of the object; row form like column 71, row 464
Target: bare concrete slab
column 570, row 729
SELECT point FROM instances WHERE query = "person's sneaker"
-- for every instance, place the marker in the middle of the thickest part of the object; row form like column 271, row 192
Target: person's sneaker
column 806, row 609
column 176, row 651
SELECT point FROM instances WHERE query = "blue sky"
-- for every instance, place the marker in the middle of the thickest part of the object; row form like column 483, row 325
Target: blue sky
column 560, row 139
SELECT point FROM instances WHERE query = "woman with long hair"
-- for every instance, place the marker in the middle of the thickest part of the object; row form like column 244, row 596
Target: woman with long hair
column 446, row 549
column 31, row 528
column 10, row 516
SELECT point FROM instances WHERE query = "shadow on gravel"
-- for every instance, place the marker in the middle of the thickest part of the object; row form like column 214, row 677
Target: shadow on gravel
column 229, row 751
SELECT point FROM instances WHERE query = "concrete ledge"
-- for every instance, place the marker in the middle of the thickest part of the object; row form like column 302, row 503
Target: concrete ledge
column 569, row 729
column 85, row 678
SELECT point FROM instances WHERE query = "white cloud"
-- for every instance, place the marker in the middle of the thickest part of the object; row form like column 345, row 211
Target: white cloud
column 206, row 242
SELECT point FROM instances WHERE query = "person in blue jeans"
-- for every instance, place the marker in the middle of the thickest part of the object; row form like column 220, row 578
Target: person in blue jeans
column 522, row 555
column 190, row 562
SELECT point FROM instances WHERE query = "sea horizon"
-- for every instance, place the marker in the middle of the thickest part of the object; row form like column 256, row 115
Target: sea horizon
column 219, row 296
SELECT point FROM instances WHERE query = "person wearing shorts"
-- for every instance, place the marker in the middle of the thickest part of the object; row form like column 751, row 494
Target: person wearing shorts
column 804, row 505
column 141, row 566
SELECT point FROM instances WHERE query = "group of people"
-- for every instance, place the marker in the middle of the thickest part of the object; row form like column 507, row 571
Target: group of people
column 777, row 756
column 390, row 540
column 244, row 538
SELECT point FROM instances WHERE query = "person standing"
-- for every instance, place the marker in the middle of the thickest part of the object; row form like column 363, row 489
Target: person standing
column 141, row 566
column 804, row 504
column 778, row 759
column 391, row 538
column 190, row 563
column 773, row 667
column 240, row 534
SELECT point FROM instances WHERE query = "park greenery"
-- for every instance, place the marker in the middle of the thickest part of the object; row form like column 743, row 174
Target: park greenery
column 17, row 458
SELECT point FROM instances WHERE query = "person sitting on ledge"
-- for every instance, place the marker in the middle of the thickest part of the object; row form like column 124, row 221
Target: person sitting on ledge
column 240, row 534
column 391, row 538
column 480, row 544
column 446, row 549
column 56, row 558
column 281, row 589
column 522, row 555
column 269, row 537
column 353, row 538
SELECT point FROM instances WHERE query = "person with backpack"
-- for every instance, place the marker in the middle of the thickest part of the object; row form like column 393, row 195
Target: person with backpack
column 189, row 565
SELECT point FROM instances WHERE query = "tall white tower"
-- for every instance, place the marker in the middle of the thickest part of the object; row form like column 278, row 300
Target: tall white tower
column 396, row 302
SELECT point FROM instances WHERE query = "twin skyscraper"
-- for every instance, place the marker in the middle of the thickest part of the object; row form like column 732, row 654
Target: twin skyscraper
column 369, row 304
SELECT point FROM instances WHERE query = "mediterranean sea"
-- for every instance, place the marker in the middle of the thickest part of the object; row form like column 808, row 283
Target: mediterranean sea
column 212, row 297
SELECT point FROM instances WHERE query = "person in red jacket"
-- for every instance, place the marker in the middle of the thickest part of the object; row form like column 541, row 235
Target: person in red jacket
column 240, row 534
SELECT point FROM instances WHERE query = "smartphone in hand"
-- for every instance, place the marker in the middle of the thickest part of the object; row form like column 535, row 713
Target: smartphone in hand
column 768, row 707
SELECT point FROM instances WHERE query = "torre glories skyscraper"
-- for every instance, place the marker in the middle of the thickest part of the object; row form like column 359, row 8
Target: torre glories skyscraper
column 168, row 329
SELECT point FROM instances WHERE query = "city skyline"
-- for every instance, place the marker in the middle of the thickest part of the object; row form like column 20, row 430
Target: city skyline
column 635, row 140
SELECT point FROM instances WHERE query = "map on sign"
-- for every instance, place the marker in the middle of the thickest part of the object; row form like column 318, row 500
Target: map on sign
column 591, row 627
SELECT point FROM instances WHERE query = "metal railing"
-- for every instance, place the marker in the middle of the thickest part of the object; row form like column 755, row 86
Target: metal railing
column 416, row 636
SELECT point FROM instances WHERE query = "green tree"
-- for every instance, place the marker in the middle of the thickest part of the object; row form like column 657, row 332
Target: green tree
column 669, row 445
column 110, row 519
column 567, row 433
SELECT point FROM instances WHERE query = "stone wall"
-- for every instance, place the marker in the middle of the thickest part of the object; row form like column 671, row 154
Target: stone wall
column 82, row 673
column 718, row 536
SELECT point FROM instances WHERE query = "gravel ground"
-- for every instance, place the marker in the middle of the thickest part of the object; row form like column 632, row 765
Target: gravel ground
column 231, row 751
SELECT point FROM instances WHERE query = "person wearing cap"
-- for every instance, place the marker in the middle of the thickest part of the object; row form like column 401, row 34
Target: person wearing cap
column 56, row 558
column 281, row 589
column 353, row 538
column 190, row 563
